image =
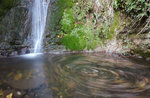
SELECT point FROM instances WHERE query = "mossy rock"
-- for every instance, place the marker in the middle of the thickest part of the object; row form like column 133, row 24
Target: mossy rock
column 142, row 53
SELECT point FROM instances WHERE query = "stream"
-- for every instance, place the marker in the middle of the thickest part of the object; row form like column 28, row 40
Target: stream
column 96, row 75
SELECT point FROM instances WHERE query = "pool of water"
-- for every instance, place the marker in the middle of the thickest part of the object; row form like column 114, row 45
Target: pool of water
column 74, row 76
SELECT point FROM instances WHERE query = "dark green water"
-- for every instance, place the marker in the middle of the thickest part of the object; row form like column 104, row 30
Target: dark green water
column 74, row 76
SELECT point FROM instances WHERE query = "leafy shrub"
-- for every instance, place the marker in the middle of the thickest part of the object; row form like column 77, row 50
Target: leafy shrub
column 134, row 8
column 67, row 21
column 80, row 38
column 65, row 3
column 92, row 36
column 73, row 42
column 83, row 27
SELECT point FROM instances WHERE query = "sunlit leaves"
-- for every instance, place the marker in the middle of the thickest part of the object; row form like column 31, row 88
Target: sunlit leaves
column 68, row 20
column 85, row 26
column 73, row 42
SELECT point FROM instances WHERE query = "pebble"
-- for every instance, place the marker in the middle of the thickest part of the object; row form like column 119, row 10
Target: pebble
column 18, row 93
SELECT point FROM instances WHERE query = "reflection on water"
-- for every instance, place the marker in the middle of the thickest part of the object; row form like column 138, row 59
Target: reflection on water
column 74, row 76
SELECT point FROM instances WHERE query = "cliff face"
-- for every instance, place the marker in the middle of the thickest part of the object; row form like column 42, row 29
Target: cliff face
column 135, row 36
column 15, row 26
column 55, row 13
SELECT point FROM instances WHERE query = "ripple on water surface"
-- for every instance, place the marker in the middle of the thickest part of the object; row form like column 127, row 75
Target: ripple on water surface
column 76, row 76
column 100, row 75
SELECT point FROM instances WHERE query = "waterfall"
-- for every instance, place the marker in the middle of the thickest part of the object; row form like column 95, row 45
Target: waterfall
column 39, row 15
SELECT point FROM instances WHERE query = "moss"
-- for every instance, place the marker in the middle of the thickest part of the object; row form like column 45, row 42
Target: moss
column 142, row 53
column 115, row 25
column 57, row 9
column 86, row 25
column 73, row 42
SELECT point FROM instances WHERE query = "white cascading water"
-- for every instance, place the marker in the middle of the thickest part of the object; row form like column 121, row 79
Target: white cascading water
column 39, row 15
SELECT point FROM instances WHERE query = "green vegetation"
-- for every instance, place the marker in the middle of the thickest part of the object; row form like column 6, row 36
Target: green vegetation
column 134, row 8
column 115, row 25
column 85, row 24
column 68, row 20
column 80, row 28
column 135, row 38
column 56, row 12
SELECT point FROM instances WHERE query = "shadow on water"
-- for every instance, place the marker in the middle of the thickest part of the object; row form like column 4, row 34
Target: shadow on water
column 74, row 76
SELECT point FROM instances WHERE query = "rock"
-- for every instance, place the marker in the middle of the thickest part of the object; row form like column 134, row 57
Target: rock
column 27, row 51
column 16, row 25
column 27, row 84
column 53, row 18
column 18, row 93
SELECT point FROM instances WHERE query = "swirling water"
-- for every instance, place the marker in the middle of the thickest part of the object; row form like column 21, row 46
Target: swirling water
column 76, row 76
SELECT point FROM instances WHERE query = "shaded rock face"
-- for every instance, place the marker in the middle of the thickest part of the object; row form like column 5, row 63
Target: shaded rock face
column 53, row 18
column 141, row 45
column 135, row 38
column 15, row 27
column 52, row 27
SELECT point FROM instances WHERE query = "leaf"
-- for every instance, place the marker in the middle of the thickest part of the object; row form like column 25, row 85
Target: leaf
column 1, row 93
column 71, row 85
column 18, row 76
column 10, row 95
column 10, row 74
column 61, row 96
column 142, row 84
column 55, row 88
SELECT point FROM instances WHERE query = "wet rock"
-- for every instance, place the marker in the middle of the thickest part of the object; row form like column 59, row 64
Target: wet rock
column 19, row 93
column 27, row 51
column 27, row 84
column 4, row 45
column 19, row 52
column 15, row 50
column 16, row 25
column 13, row 53
column 3, row 53
column 53, row 18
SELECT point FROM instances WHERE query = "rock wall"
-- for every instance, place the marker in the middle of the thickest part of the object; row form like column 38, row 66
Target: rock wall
column 15, row 27
column 55, row 13
column 135, row 37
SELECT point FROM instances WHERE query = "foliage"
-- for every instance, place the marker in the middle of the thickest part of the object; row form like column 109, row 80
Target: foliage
column 80, row 26
column 114, row 25
column 68, row 20
column 64, row 4
column 73, row 42
column 134, row 8
column 81, row 37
